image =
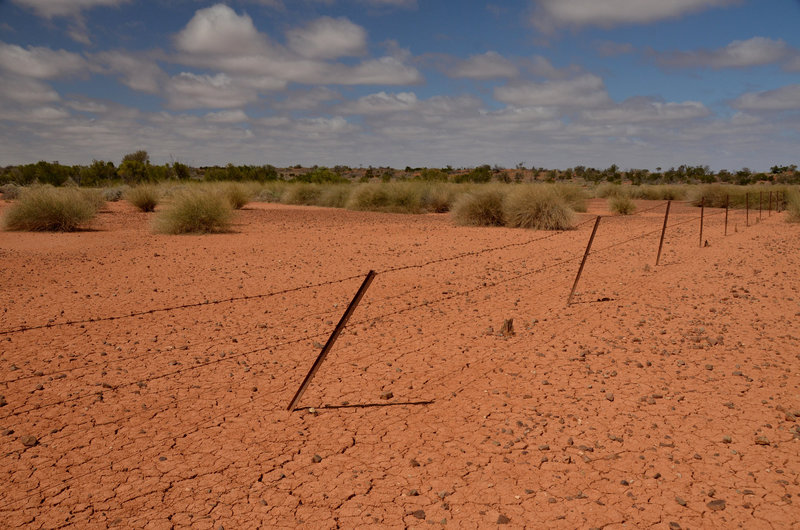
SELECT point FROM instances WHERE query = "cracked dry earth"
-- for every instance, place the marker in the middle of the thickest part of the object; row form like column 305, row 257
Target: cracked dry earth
column 663, row 397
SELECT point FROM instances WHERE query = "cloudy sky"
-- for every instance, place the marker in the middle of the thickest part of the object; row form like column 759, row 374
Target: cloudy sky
column 550, row 83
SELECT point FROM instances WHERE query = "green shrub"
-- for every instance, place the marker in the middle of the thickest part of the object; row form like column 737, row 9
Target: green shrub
column 50, row 209
column 196, row 212
column 482, row 207
column 301, row 193
column 621, row 204
column 144, row 197
column 537, row 207
column 660, row 192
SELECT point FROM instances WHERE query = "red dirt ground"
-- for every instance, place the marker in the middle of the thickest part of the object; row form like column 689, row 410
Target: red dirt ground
column 662, row 397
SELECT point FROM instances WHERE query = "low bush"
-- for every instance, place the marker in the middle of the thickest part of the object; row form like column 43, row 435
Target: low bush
column 51, row 209
column 196, row 212
column 114, row 194
column 621, row 204
column 481, row 207
column 537, row 207
column 11, row 191
column 145, row 197
column 659, row 192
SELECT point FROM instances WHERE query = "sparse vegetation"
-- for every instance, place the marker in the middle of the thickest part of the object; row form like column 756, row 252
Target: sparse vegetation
column 481, row 207
column 793, row 205
column 50, row 209
column 537, row 207
column 196, row 212
column 621, row 204
column 145, row 197
column 237, row 194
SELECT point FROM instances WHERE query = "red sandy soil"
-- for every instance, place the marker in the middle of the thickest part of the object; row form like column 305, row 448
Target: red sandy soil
column 662, row 397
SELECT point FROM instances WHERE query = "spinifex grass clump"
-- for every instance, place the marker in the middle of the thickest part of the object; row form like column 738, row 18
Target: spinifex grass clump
column 481, row 207
column 572, row 194
column 334, row 196
column 238, row 194
column 144, row 197
column 621, row 204
column 395, row 197
column 51, row 209
column 537, row 207
column 659, row 192
column 793, row 205
column 196, row 212
column 302, row 193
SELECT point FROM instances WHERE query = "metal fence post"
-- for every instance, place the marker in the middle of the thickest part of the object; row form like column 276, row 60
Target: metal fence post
column 583, row 261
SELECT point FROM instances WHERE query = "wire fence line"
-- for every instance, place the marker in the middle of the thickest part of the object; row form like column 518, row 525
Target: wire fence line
column 435, row 302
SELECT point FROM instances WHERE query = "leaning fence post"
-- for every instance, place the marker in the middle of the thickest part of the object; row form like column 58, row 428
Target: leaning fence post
column 332, row 339
column 663, row 231
column 727, row 205
column 702, row 215
column 583, row 261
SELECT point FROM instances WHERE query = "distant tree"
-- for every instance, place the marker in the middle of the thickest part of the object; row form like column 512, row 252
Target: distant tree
column 139, row 156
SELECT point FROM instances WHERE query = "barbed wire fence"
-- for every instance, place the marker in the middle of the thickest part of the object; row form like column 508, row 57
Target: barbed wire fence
column 211, row 354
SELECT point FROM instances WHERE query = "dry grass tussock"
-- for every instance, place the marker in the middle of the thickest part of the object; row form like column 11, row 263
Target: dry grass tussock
column 196, row 212
column 480, row 207
column 537, row 207
column 793, row 205
column 52, row 209
column 145, row 197
column 621, row 204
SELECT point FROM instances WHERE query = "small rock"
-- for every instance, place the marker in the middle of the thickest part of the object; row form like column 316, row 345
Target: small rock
column 609, row 396
column 709, row 367
column 387, row 395
column 680, row 501
column 502, row 519
column 727, row 439
column 28, row 440
column 316, row 459
column 716, row 505
column 40, row 387
column 414, row 463
column 544, row 447
column 3, row 401
column 674, row 526
column 419, row 514
column 413, row 493
column 762, row 440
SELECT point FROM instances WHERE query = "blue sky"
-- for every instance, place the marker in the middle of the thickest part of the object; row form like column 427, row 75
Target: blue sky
column 549, row 83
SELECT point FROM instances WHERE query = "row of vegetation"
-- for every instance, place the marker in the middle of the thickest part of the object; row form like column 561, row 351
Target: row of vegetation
column 136, row 168
column 208, row 207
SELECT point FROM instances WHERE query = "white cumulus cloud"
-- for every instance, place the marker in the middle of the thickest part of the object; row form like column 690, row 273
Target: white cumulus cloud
column 738, row 54
column 40, row 62
column 586, row 90
column 549, row 14
column 783, row 98
column 489, row 65
column 328, row 38
column 55, row 8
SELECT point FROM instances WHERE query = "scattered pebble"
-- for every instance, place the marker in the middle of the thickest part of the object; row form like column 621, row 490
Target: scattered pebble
column 28, row 440
column 419, row 514
column 502, row 519
column 762, row 440
column 680, row 501
column 387, row 395
column 727, row 439
column 716, row 505
column 316, row 459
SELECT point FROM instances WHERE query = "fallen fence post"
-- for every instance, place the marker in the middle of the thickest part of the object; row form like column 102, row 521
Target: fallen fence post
column 583, row 261
column 702, row 215
column 332, row 339
column 663, row 231
column 727, row 205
